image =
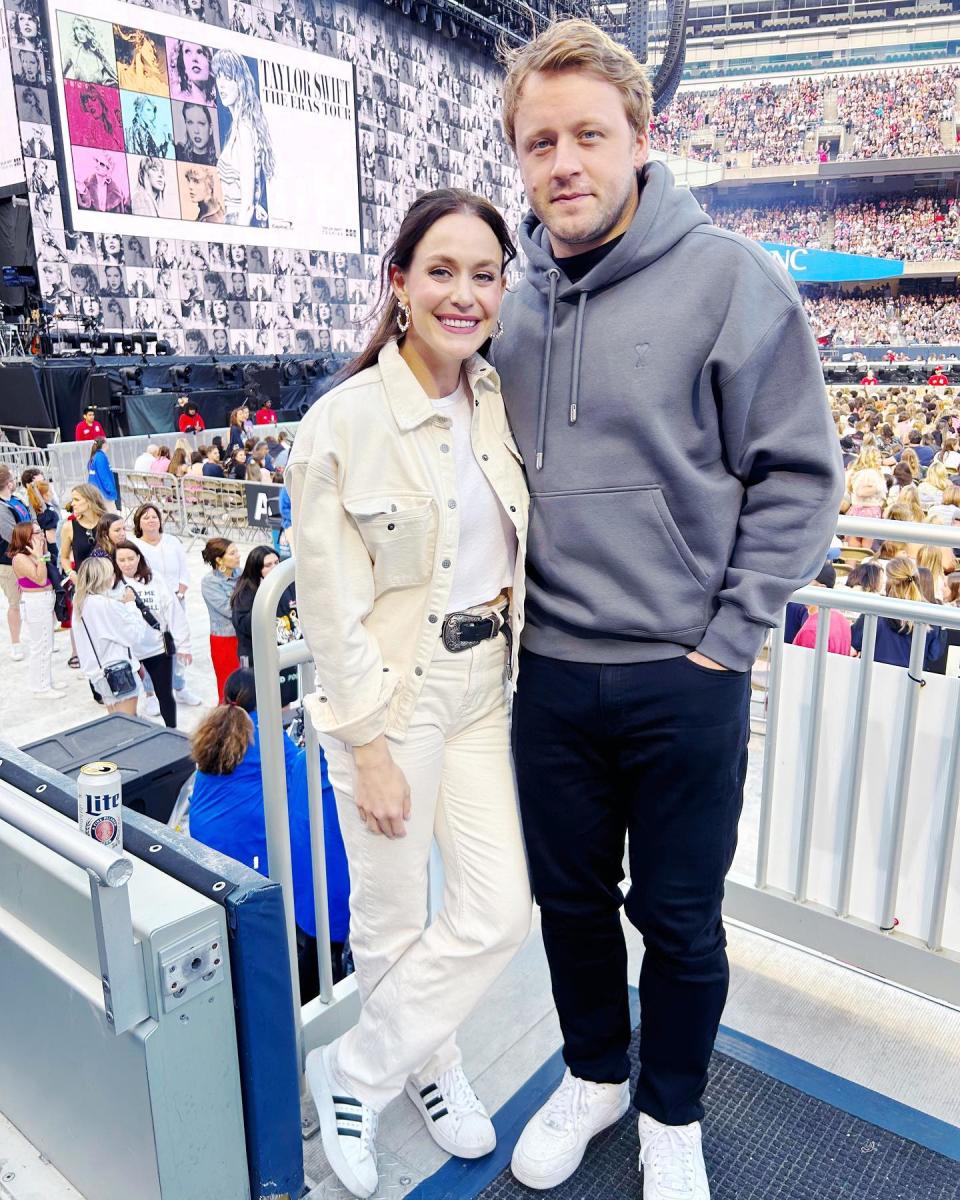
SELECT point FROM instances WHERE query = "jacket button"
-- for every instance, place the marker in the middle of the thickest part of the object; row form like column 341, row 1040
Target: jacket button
column 432, row 618
column 485, row 457
column 418, row 670
column 513, row 508
column 445, row 564
column 391, row 526
column 451, row 504
column 444, row 448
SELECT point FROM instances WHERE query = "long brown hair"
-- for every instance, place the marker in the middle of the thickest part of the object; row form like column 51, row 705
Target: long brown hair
column 425, row 211
column 223, row 737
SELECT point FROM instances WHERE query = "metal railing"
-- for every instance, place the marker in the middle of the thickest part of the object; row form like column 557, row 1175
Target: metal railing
column 121, row 964
column 197, row 506
column 921, row 963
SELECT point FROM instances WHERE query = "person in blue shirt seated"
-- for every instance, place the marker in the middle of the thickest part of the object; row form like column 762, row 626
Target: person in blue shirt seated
column 226, row 813
column 281, row 536
column 893, row 636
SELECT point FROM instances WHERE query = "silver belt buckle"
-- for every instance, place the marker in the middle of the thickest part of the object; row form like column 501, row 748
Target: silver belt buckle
column 451, row 632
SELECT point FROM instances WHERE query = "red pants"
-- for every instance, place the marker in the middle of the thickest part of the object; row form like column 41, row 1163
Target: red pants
column 223, row 651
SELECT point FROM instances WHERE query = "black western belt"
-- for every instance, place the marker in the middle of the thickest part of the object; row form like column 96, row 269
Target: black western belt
column 461, row 630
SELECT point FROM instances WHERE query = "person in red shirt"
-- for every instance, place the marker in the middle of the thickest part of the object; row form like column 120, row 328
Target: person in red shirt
column 89, row 428
column 938, row 379
column 839, row 636
column 265, row 414
column 190, row 420
column 869, row 379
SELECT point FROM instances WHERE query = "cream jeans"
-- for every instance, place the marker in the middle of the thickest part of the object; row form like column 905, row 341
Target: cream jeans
column 417, row 984
column 38, row 625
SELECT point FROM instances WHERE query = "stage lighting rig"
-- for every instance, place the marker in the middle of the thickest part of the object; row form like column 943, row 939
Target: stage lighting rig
column 132, row 379
column 292, row 371
column 228, row 374
column 164, row 347
column 179, row 376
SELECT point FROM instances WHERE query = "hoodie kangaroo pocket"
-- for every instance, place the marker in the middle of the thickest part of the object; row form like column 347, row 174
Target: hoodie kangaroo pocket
column 615, row 563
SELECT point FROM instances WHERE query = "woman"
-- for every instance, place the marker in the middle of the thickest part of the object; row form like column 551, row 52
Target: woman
column 106, row 626
column 167, row 614
column 29, row 557
column 236, row 428
column 236, row 467
column 168, row 560
column 216, row 587
column 148, row 195
column 894, row 637
column 78, row 539
column 190, row 66
column 409, row 514
column 226, row 813
column 260, row 562
column 161, row 464
column 935, row 483
column 111, row 530
column 99, row 473
column 246, row 161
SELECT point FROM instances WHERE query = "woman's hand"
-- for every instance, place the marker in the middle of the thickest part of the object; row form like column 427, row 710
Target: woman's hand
column 382, row 793
column 184, row 659
column 127, row 597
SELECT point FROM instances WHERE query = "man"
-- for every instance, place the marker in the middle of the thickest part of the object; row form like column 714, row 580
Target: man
column 12, row 512
column 98, row 191
column 211, row 467
column 677, row 503
column 938, row 378
column 925, row 453
column 89, row 427
column 145, row 461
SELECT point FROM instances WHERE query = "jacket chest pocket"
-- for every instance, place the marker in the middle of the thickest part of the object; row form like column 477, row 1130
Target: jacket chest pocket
column 400, row 535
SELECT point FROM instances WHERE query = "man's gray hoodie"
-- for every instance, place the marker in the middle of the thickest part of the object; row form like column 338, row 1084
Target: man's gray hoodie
column 684, row 471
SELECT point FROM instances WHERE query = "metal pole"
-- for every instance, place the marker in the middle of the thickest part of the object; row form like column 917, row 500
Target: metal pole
column 864, row 679
column 948, row 833
column 812, row 756
column 770, row 751
column 901, row 787
column 272, row 760
column 121, row 961
column 318, row 853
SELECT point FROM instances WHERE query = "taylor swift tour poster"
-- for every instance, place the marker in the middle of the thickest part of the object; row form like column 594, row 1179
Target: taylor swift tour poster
column 166, row 123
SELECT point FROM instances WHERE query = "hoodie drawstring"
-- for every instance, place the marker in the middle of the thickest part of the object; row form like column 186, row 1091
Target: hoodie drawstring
column 554, row 277
column 577, row 342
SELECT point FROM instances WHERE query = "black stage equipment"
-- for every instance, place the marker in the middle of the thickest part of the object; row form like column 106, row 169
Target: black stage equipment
column 132, row 379
column 228, row 374
column 180, row 375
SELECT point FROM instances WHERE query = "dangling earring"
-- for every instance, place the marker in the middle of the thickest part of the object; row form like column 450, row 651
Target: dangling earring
column 403, row 318
column 498, row 331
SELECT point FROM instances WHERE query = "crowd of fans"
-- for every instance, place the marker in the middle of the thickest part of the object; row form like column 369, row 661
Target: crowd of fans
column 883, row 114
column 927, row 316
column 912, row 228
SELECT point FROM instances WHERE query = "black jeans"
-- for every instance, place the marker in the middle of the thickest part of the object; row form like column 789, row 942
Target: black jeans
column 160, row 670
column 658, row 751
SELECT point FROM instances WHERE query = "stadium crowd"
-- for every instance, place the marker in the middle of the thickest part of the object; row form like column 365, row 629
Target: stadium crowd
column 883, row 114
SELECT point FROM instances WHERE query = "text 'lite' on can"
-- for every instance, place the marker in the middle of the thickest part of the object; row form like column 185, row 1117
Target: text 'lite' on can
column 99, row 801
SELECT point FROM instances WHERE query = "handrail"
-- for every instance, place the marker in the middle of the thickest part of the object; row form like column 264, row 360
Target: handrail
column 907, row 531
column 109, row 868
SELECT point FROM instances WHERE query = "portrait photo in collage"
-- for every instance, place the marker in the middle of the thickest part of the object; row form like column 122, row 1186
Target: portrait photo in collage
column 148, row 127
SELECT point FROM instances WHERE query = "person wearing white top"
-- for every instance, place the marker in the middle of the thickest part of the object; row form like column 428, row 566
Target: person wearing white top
column 145, row 461
column 166, row 615
column 409, row 518
column 106, row 626
column 168, row 560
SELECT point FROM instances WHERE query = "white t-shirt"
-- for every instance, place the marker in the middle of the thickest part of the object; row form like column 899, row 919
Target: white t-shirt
column 487, row 551
column 144, row 462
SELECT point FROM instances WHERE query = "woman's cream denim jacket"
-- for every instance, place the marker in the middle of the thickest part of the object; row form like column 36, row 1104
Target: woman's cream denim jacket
column 375, row 532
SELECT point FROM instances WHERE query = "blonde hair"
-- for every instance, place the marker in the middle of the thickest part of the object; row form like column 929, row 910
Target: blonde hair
column 92, row 495
column 937, row 476
column 576, row 45
column 951, row 495
column 931, row 557
column 867, row 460
column 903, row 583
column 95, row 576
column 909, row 456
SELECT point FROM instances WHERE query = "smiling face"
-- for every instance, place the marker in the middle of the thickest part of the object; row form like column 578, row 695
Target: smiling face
column 150, row 523
column 454, row 286
column 578, row 156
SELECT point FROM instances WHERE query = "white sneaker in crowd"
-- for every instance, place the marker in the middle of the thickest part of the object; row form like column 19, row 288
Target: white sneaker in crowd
column 185, row 696
column 453, row 1114
column 348, row 1128
column 16, row 652
column 671, row 1158
column 553, row 1144
column 151, row 707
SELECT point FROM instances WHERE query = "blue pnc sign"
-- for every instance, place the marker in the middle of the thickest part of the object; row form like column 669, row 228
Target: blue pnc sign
column 826, row 266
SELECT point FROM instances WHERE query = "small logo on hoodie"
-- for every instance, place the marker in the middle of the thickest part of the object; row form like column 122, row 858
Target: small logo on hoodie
column 642, row 349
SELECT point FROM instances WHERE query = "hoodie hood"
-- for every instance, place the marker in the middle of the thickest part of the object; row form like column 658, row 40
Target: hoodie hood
column 664, row 215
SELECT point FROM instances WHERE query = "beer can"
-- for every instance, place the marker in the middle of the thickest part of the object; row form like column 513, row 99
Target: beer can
column 99, row 801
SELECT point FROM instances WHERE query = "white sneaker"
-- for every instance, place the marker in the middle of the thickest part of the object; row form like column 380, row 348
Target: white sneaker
column 671, row 1158
column 16, row 652
column 185, row 696
column 453, row 1114
column 554, row 1142
column 57, row 686
column 348, row 1128
column 49, row 693
column 151, row 706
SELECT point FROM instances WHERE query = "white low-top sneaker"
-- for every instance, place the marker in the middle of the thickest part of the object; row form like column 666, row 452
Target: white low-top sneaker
column 348, row 1128
column 671, row 1158
column 453, row 1114
column 151, row 706
column 555, row 1139
column 185, row 696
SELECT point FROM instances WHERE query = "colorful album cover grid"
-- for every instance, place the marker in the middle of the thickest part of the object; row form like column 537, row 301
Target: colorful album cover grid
column 146, row 126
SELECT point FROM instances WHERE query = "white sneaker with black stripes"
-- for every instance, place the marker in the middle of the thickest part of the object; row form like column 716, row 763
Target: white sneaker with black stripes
column 348, row 1128
column 453, row 1114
